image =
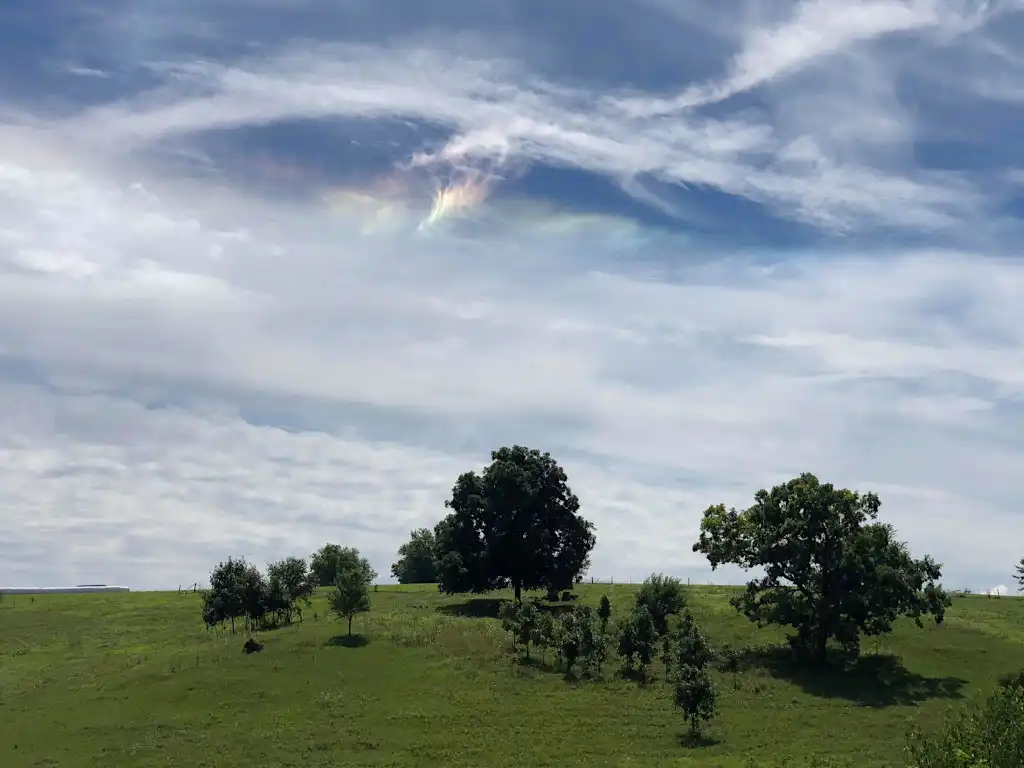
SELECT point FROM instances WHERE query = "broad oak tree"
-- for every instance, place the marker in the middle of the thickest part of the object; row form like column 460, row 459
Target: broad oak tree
column 516, row 524
column 831, row 570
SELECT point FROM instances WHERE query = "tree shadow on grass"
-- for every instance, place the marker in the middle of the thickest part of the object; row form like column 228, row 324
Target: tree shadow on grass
column 347, row 641
column 475, row 608
column 873, row 680
column 697, row 741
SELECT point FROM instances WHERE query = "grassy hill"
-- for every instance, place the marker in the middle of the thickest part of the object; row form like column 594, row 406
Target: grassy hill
column 136, row 680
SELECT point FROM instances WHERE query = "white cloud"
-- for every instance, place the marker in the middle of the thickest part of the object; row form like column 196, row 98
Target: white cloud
column 192, row 367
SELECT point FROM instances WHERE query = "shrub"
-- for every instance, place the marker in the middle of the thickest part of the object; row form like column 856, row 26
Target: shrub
column 663, row 596
column 985, row 735
column 1012, row 680
column 604, row 613
column 637, row 641
column 695, row 695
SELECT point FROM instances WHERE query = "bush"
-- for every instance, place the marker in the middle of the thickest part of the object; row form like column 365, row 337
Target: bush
column 663, row 596
column 1012, row 680
column 695, row 694
column 986, row 735
column 638, row 641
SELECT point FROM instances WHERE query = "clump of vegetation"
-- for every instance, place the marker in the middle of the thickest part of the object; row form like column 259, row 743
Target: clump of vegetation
column 415, row 564
column 986, row 735
column 831, row 571
column 516, row 524
column 638, row 639
column 663, row 596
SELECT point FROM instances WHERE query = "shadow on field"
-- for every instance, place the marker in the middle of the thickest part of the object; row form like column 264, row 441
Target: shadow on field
column 347, row 641
column 874, row 680
column 476, row 608
column 699, row 740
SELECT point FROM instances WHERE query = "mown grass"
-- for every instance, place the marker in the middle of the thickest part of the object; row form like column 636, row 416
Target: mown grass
column 135, row 680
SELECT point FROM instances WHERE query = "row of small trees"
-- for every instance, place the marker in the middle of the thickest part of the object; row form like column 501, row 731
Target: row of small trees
column 240, row 592
column 583, row 638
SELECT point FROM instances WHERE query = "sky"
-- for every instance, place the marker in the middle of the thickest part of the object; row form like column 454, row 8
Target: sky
column 275, row 273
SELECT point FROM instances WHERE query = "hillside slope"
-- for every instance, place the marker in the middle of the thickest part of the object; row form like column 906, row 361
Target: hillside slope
column 136, row 680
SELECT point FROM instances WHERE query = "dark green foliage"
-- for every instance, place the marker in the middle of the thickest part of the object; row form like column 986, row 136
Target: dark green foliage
column 1018, row 575
column 695, row 695
column 351, row 594
column 527, row 624
column 516, row 524
column 663, row 596
column 289, row 587
column 832, row 572
column 544, row 632
column 508, row 613
column 330, row 560
column 225, row 600
column 415, row 564
column 239, row 591
column 577, row 639
column 604, row 613
column 638, row 640
column 1012, row 680
column 986, row 735
column 728, row 659
column 690, row 647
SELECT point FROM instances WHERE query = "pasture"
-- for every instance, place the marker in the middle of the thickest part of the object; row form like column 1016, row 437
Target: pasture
column 136, row 680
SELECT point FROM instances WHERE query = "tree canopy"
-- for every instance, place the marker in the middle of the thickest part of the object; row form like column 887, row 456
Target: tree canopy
column 415, row 564
column 831, row 570
column 516, row 524
column 330, row 560
column 351, row 594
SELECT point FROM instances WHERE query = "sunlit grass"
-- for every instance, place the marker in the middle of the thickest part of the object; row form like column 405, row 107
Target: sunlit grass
column 136, row 680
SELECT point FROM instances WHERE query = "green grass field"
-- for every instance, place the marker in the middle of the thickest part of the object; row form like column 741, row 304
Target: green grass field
column 136, row 680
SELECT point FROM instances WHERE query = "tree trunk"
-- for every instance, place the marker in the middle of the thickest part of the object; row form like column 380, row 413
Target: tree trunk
column 820, row 649
column 350, row 626
column 519, row 592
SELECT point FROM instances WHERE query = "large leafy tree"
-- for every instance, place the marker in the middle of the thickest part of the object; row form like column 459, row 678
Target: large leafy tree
column 415, row 564
column 330, row 560
column 831, row 571
column 516, row 524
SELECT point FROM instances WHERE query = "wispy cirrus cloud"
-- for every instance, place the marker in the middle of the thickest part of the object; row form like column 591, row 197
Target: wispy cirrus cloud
column 277, row 279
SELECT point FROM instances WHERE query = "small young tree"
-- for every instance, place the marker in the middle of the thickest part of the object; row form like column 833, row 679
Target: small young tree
column 575, row 636
column 508, row 612
column 527, row 620
column 1018, row 575
column 351, row 595
column 638, row 640
column 695, row 695
column 663, row 596
column 544, row 633
column 225, row 600
column 291, row 582
column 691, row 647
column 604, row 613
